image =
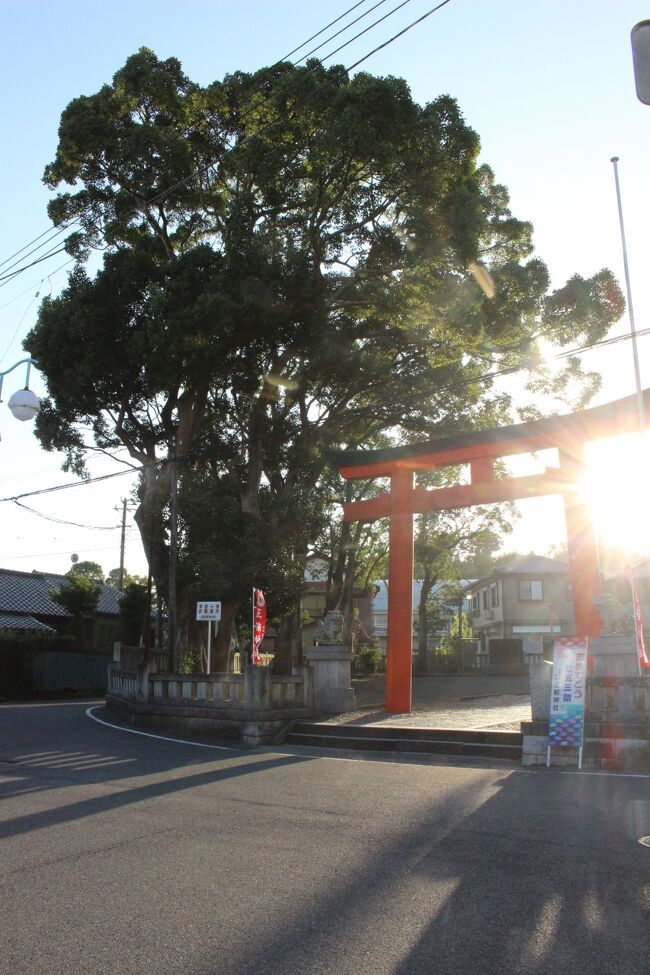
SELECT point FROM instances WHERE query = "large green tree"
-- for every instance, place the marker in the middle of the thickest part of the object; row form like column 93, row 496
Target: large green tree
column 294, row 260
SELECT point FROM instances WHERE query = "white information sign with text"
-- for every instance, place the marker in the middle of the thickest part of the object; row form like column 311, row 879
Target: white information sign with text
column 208, row 611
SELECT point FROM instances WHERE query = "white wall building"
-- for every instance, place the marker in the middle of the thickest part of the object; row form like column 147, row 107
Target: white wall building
column 380, row 607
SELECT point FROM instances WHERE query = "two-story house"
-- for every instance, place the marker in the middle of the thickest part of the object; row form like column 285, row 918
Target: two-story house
column 525, row 597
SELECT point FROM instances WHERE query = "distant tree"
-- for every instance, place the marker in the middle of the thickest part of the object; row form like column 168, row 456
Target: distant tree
column 89, row 570
column 134, row 606
column 444, row 539
column 79, row 596
column 113, row 579
column 559, row 550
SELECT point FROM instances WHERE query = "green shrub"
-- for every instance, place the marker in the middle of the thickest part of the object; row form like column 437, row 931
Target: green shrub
column 368, row 660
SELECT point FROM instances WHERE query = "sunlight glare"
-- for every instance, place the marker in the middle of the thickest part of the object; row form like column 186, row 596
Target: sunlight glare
column 616, row 488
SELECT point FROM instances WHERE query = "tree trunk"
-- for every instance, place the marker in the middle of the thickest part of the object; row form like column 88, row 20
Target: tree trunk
column 221, row 645
column 421, row 661
column 288, row 649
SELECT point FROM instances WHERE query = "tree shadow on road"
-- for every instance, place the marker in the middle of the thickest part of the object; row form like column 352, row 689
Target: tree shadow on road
column 538, row 874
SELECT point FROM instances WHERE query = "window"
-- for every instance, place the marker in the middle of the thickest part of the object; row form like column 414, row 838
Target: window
column 475, row 604
column 494, row 594
column 530, row 590
column 485, row 599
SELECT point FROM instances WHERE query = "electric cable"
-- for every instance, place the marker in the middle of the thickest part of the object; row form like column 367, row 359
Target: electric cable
column 459, row 384
column 56, row 232
column 95, row 480
column 323, row 29
column 18, row 327
column 204, row 167
column 6, row 280
column 66, row 551
column 16, row 253
column 366, row 29
column 37, row 283
column 342, row 31
column 399, row 34
column 62, row 521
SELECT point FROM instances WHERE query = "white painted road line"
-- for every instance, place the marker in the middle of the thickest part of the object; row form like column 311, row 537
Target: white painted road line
column 148, row 734
column 335, row 758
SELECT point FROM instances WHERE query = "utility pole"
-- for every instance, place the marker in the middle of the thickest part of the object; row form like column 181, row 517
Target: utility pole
column 122, row 545
column 171, row 602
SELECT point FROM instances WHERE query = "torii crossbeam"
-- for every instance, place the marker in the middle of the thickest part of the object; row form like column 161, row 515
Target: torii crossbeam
column 568, row 434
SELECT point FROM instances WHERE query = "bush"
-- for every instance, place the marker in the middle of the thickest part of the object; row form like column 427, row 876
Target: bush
column 368, row 660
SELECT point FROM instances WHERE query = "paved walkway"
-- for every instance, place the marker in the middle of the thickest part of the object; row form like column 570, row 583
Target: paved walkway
column 472, row 701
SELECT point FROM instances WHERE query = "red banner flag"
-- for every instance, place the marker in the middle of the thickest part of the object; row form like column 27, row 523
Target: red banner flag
column 638, row 625
column 259, row 624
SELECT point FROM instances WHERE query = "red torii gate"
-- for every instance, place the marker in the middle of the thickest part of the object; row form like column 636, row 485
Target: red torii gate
column 480, row 450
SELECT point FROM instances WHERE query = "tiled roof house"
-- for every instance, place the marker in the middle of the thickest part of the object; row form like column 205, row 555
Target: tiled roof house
column 26, row 604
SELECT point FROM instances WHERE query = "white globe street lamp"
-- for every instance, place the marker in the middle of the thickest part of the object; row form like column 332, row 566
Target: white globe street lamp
column 24, row 404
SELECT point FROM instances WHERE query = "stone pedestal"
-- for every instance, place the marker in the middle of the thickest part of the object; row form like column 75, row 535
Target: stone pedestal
column 332, row 667
column 541, row 678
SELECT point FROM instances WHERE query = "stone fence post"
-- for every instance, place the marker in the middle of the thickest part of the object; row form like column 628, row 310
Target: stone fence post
column 541, row 678
column 257, row 687
column 142, row 682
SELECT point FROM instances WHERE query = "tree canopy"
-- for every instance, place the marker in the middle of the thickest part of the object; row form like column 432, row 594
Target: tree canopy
column 293, row 260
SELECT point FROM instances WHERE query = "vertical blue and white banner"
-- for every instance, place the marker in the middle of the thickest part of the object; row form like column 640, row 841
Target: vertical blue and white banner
column 567, row 715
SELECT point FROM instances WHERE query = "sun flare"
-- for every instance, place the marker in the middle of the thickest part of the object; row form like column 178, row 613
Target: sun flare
column 617, row 488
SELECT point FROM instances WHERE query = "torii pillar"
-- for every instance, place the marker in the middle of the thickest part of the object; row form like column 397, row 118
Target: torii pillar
column 400, row 593
column 567, row 434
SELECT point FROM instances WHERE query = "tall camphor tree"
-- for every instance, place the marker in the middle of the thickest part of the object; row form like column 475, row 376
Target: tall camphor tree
column 293, row 260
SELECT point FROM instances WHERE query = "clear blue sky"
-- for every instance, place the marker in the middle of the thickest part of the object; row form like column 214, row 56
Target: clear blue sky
column 548, row 86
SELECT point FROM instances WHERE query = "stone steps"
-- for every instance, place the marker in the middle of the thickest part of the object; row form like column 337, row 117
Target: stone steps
column 435, row 741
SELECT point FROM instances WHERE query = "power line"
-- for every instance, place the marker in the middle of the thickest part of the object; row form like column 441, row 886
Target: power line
column 55, row 233
column 459, row 384
column 92, row 480
column 342, row 31
column 62, row 521
column 366, row 29
column 37, row 283
column 66, row 551
column 14, row 274
column 323, row 29
column 18, row 327
column 399, row 34
column 510, row 370
column 204, row 167
column 16, row 253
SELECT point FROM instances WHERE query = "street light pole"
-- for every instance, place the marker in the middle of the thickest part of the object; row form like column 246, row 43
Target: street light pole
column 630, row 307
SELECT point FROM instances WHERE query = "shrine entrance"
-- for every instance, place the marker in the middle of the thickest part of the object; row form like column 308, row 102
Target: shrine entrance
column 480, row 450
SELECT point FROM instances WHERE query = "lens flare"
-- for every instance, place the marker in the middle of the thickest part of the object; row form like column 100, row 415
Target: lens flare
column 616, row 488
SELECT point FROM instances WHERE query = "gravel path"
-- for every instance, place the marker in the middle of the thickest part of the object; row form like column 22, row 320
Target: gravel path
column 455, row 702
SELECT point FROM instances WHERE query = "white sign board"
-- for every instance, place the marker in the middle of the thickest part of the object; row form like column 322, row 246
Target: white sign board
column 208, row 611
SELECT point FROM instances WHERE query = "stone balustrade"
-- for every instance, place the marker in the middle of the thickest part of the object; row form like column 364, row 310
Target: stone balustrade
column 217, row 688
column 122, row 683
column 253, row 706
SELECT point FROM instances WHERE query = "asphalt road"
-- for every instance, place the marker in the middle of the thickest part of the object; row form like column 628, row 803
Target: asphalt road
column 126, row 854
